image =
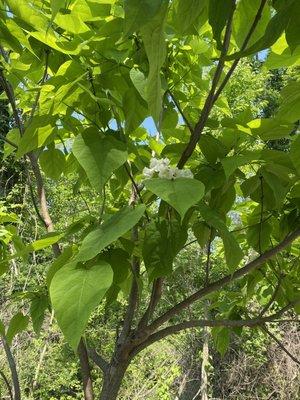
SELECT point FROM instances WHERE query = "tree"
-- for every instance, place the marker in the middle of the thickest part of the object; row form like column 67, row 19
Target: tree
column 80, row 78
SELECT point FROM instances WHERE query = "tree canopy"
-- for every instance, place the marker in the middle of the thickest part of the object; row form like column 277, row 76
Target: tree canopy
column 149, row 106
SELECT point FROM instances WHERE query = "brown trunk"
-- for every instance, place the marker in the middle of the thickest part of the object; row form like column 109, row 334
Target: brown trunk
column 113, row 380
column 86, row 373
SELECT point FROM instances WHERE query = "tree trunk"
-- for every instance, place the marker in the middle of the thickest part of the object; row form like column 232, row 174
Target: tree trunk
column 113, row 380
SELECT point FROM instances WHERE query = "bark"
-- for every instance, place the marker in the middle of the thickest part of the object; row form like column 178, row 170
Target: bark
column 113, row 380
column 86, row 372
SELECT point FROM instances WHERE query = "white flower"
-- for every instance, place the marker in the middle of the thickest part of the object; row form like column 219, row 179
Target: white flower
column 166, row 173
column 185, row 173
column 164, row 170
column 148, row 173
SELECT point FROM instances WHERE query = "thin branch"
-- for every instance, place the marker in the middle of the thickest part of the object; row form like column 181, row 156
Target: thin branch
column 9, row 389
column 213, row 287
column 8, row 141
column 272, row 299
column 188, row 151
column 13, row 369
column 136, row 188
column 184, row 117
column 280, row 345
column 243, row 47
column 170, row 330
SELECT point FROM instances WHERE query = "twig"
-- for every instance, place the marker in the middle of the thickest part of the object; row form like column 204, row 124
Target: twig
column 188, row 124
column 9, row 389
column 280, row 345
column 8, row 141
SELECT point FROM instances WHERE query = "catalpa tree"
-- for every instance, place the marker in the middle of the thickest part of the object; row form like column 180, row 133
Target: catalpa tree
column 80, row 78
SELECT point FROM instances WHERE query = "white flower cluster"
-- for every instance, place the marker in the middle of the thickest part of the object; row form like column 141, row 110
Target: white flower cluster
column 164, row 170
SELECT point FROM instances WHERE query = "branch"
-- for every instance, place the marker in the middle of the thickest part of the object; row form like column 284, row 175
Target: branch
column 155, row 297
column 170, row 330
column 7, row 384
column 13, row 369
column 213, row 287
column 186, row 121
column 98, row 360
column 8, row 141
column 280, row 345
column 86, row 371
column 244, row 45
column 209, row 100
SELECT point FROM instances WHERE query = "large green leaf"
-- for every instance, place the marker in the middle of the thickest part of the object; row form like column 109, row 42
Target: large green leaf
column 52, row 162
column 17, row 324
column 36, row 134
column 38, row 307
column 295, row 153
column 243, row 20
column 277, row 24
column 163, row 240
column 154, row 41
column 138, row 13
column 99, row 156
column 111, row 230
column 218, row 14
column 75, row 291
column 289, row 109
column 186, row 14
column 181, row 193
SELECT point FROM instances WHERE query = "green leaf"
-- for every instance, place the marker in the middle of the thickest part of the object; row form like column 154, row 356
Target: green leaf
column 186, row 14
column 218, row 14
column 155, row 46
column 111, row 230
column 138, row 13
column 289, row 109
column 258, row 236
column 221, row 337
column 135, row 110
column 39, row 305
column 17, row 324
column 292, row 32
column 75, row 292
column 2, row 328
column 270, row 129
column 212, row 148
column 243, row 19
column 181, row 193
column 163, row 240
column 99, row 156
column 140, row 82
column 46, row 241
column 295, row 153
column 274, row 29
column 231, row 164
column 52, row 162
column 36, row 134
column 58, row 263
column 202, row 233
column 232, row 250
